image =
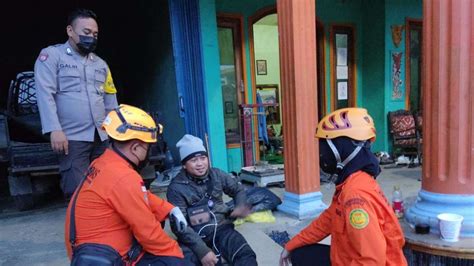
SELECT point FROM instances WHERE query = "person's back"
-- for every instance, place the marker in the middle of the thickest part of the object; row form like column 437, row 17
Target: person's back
column 361, row 195
column 112, row 211
column 97, row 220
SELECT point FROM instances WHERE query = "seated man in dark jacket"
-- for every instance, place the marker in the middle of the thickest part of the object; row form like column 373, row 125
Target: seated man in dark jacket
column 197, row 190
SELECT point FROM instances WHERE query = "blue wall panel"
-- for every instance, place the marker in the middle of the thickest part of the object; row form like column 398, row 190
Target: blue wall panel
column 184, row 15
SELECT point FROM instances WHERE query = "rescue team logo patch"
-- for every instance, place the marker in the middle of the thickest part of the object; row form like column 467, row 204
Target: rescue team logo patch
column 43, row 57
column 355, row 201
column 359, row 218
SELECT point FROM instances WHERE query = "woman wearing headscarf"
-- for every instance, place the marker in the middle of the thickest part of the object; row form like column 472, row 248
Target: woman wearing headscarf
column 363, row 228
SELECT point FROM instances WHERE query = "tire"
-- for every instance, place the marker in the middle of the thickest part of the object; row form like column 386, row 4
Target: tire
column 21, row 191
column 148, row 175
column 24, row 202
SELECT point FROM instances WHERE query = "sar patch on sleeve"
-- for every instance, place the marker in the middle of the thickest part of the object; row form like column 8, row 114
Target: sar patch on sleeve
column 42, row 57
column 355, row 201
column 358, row 218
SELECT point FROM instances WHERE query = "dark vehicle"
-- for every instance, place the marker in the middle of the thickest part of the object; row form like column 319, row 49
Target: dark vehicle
column 32, row 164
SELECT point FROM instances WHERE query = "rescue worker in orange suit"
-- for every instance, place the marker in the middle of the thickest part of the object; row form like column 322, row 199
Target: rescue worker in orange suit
column 112, row 215
column 363, row 228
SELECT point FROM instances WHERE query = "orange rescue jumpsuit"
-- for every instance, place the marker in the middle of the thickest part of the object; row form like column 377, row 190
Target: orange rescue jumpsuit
column 113, row 206
column 363, row 228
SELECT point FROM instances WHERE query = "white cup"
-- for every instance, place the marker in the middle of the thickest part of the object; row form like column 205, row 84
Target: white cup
column 450, row 226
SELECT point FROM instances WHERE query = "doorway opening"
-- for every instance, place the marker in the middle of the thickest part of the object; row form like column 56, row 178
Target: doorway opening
column 321, row 70
column 265, row 65
column 229, row 32
column 414, row 92
column 343, row 91
column 266, row 77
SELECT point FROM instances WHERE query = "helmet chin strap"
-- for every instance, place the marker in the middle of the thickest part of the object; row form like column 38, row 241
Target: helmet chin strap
column 340, row 165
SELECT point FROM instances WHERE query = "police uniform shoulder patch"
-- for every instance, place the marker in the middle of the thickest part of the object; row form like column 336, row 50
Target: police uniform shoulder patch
column 43, row 57
column 109, row 86
column 359, row 218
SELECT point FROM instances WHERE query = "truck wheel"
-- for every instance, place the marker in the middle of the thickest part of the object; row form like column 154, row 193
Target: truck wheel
column 24, row 202
column 21, row 191
column 148, row 175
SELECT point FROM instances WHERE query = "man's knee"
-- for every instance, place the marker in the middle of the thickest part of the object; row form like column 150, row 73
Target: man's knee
column 316, row 254
column 73, row 166
column 69, row 177
column 150, row 259
column 244, row 255
column 239, row 251
column 189, row 255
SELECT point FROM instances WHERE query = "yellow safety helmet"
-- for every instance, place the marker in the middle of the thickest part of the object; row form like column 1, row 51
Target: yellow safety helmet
column 354, row 123
column 127, row 122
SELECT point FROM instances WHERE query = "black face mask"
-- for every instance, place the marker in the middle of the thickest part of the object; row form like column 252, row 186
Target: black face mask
column 327, row 160
column 145, row 162
column 86, row 44
column 141, row 164
column 364, row 159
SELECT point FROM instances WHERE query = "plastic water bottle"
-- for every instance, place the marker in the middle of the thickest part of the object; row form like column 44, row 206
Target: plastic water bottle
column 397, row 201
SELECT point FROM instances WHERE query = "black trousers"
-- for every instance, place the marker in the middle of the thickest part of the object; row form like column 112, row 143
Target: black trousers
column 153, row 260
column 73, row 166
column 311, row 255
column 230, row 244
column 103, row 255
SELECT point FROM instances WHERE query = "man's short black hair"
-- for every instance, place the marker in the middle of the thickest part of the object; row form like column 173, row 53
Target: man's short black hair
column 80, row 13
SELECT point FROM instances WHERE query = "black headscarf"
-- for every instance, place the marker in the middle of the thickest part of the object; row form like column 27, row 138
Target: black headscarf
column 365, row 160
